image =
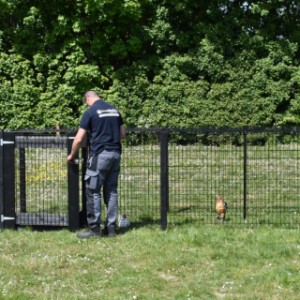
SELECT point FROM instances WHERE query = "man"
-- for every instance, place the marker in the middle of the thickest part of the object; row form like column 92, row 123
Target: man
column 105, row 124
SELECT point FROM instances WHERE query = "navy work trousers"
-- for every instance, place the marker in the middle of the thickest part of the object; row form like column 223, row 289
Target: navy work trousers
column 106, row 178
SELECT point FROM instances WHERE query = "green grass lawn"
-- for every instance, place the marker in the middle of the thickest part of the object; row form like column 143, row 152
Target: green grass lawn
column 183, row 262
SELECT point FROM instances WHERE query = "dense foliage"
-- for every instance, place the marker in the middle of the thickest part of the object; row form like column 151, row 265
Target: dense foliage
column 167, row 63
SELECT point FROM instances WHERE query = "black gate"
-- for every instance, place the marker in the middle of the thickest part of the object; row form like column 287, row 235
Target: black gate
column 38, row 187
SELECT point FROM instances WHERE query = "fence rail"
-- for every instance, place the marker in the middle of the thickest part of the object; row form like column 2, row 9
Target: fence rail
column 168, row 176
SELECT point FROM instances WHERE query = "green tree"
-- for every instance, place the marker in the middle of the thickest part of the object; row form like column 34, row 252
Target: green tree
column 164, row 63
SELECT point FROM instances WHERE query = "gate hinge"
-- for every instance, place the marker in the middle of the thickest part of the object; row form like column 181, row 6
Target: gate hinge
column 2, row 142
column 4, row 218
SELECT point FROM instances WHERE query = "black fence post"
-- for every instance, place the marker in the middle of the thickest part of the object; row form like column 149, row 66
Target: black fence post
column 7, row 177
column 73, row 189
column 83, row 219
column 1, row 181
column 164, row 178
column 245, row 176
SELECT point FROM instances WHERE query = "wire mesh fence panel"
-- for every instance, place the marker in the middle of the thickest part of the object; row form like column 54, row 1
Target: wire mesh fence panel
column 255, row 171
column 273, row 181
column 41, row 182
column 139, row 181
column 198, row 173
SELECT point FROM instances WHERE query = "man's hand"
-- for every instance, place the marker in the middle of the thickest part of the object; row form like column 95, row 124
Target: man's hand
column 70, row 158
column 81, row 133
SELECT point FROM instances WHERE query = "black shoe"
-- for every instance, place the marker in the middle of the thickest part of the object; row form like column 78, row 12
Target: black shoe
column 88, row 234
column 109, row 231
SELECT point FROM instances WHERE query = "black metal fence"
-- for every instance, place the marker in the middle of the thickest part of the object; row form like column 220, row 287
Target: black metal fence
column 167, row 177
column 174, row 176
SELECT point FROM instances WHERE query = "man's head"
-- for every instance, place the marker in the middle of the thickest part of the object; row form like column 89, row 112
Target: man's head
column 90, row 97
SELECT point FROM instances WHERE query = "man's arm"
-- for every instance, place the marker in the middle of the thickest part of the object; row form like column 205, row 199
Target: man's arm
column 122, row 132
column 78, row 140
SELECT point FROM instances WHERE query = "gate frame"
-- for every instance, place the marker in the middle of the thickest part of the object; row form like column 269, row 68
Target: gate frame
column 7, row 180
column 73, row 189
column 7, row 184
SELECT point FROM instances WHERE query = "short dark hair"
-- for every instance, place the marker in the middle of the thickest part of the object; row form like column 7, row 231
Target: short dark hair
column 90, row 93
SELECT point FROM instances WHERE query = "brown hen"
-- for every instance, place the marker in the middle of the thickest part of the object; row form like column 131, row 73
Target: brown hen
column 221, row 208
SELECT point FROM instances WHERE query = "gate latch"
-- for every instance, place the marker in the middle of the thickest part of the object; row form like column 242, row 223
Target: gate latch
column 2, row 142
column 4, row 218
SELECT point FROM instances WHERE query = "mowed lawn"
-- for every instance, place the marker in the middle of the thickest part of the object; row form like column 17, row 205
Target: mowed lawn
column 183, row 262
